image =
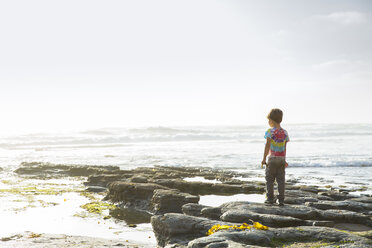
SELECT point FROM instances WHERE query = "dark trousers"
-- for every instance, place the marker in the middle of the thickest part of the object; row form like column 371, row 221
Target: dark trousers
column 275, row 170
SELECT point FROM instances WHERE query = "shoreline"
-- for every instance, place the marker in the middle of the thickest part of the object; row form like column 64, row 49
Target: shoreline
column 158, row 188
column 36, row 240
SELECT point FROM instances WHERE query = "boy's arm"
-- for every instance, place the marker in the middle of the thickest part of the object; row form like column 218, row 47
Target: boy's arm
column 286, row 164
column 266, row 151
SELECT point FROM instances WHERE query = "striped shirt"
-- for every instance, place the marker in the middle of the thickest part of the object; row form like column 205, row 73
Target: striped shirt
column 279, row 137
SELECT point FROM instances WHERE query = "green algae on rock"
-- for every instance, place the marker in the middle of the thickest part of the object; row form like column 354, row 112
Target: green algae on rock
column 98, row 207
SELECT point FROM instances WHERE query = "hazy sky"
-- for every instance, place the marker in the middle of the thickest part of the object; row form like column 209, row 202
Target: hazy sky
column 89, row 64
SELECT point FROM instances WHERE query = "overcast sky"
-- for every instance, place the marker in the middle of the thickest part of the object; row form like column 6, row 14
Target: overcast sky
column 90, row 64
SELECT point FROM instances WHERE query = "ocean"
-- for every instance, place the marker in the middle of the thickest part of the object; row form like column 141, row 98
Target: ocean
column 311, row 145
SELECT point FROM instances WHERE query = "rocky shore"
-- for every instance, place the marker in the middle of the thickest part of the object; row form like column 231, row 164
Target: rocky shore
column 312, row 216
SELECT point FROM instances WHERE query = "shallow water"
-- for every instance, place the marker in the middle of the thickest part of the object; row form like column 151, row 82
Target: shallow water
column 61, row 213
column 217, row 200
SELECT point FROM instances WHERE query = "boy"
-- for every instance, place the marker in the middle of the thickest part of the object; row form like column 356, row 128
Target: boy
column 276, row 144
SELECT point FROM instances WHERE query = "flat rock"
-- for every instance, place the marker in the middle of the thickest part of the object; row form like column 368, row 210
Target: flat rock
column 203, row 188
column 40, row 169
column 245, row 216
column 96, row 189
column 296, row 211
column 104, row 179
column 344, row 205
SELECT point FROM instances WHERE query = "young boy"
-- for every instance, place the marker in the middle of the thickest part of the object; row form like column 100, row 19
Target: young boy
column 276, row 144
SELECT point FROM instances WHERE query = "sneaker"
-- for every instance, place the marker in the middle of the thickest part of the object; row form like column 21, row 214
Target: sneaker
column 281, row 204
column 269, row 202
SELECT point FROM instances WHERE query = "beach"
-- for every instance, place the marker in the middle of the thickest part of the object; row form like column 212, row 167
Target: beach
column 44, row 202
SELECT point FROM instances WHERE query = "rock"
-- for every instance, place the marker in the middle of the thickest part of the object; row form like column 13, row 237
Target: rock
column 363, row 199
column 345, row 216
column 311, row 233
column 304, row 236
column 344, row 205
column 170, row 201
column 213, row 213
column 295, row 211
column 233, row 239
column 243, row 215
column 179, row 228
column 337, row 196
column 320, row 223
column 139, row 179
column 200, row 188
column 312, row 189
column 130, row 215
column 96, row 189
column 132, row 195
column 193, row 209
column 105, row 179
column 299, row 200
column 306, row 195
column 40, row 169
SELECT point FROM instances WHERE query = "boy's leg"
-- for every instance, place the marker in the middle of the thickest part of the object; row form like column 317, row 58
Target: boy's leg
column 280, row 179
column 270, row 178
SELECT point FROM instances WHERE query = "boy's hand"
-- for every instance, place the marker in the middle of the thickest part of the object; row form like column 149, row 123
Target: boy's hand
column 262, row 163
column 286, row 165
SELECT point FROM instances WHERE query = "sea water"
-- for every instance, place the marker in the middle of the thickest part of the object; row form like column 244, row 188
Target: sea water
column 320, row 154
column 311, row 145
column 342, row 152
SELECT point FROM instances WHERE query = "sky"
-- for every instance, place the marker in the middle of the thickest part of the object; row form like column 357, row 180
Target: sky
column 68, row 65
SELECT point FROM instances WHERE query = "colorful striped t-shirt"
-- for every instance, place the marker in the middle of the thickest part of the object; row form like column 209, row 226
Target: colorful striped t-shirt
column 279, row 137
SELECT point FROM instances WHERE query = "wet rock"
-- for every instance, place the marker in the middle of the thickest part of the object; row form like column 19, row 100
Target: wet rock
column 307, row 195
column 320, row 223
column 96, row 189
column 299, row 200
column 213, row 213
column 104, row 180
column 344, row 205
column 200, row 188
column 312, row 189
column 139, row 179
column 132, row 195
column 41, row 169
column 239, row 238
column 345, row 216
column 309, row 233
column 363, row 199
column 295, row 211
column 130, row 215
column 176, row 228
column 243, row 215
column 193, row 209
column 170, row 201
column 190, row 230
column 304, row 236
column 335, row 195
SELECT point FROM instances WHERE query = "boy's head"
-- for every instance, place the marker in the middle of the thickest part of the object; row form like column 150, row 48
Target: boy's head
column 275, row 115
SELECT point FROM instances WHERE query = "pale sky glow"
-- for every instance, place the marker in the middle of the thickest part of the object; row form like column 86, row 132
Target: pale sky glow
column 89, row 64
